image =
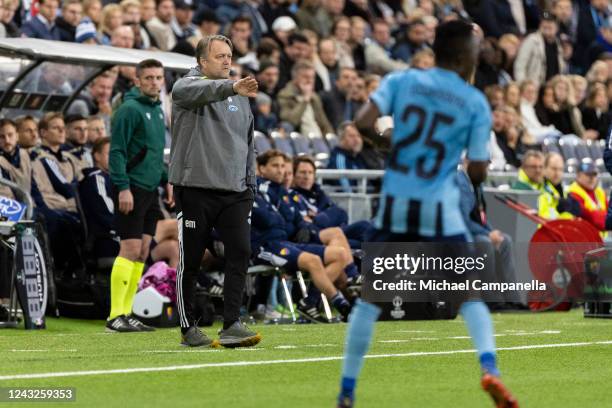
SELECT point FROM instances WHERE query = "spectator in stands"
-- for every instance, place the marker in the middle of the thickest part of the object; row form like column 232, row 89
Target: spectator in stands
column 300, row 105
column 93, row 10
column 509, row 45
column 132, row 18
column 495, row 96
column 282, row 28
column 147, row 12
column 336, row 103
column 240, row 33
column 311, row 16
column 297, row 48
column 160, row 25
column 508, row 135
column 266, row 120
column 267, row 78
column 76, row 140
column 6, row 18
column 512, row 96
column 591, row 18
column 96, row 100
column 377, row 51
column 122, row 37
column 565, row 115
column 540, row 56
column 182, row 24
column 43, row 25
column 563, row 10
column 271, row 10
column 55, row 174
column 341, row 33
column 274, row 222
column 413, row 41
column 599, row 72
column 357, row 42
column 529, row 118
column 14, row 161
column 505, row 16
column 208, row 23
column 590, row 196
column 326, row 65
column 474, row 210
column 491, row 63
column 268, row 50
column 112, row 17
column 423, row 59
column 72, row 10
column 96, row 129
column 565, row 208
column 347, row 155
column 86, row 33
column 596, row 115
column 27, row 127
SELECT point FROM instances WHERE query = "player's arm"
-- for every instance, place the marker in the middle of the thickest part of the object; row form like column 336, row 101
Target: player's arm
column 478, row 144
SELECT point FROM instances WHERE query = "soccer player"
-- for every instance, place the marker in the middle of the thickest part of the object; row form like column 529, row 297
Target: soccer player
column 438, row 115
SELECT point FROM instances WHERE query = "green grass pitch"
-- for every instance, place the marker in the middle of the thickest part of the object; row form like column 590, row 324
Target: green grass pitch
column 414, row 364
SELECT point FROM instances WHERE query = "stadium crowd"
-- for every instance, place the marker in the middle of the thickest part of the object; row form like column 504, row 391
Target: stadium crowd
column 545, row 67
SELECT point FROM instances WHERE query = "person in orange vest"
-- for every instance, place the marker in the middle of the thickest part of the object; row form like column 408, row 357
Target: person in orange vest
column 590, row 196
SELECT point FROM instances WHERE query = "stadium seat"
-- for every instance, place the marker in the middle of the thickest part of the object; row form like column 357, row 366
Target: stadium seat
column 332, row 140
column 283, row 143
column 320, row 150
column 596, row 148
column 566, row 145
column 262, row 143
column 301, row 144
column 581, row 149
column 550, row 145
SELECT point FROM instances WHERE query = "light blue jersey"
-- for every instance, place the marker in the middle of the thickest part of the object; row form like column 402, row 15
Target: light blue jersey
column 437, row 116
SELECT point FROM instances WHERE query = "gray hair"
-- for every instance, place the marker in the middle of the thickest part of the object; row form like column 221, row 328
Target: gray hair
column 532, row 153
column 343, row 126
column 203, row 47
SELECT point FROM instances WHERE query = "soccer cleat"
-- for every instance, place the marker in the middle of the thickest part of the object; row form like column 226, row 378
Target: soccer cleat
column 138, row 324
column 344, row 401
column 238, row 335
column 345, row 311
column 310, row 312
column 498, row 391
column 194, row 337
column 120, row 325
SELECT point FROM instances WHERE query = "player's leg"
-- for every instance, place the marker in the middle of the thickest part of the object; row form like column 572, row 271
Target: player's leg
column 335, row 237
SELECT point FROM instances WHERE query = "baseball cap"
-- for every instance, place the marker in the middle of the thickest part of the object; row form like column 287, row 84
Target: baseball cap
column 587, row 167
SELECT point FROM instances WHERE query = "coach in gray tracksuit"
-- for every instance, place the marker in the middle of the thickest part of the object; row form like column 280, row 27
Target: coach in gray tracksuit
column 212, row 169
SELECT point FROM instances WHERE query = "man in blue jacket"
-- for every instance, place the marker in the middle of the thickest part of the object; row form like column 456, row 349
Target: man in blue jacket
column 43, row 25
column 274, row 223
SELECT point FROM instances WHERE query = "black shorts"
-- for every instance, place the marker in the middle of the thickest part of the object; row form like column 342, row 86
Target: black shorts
column 142, row 219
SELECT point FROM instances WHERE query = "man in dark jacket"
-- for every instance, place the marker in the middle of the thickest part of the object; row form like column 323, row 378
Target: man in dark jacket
column 212, row 168
column 347, row 155
column 136, row 170
column 72, row 10
column 336, row 103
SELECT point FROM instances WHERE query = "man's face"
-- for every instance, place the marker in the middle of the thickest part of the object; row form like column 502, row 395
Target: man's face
column 241, row 31
column 381, row 33
column 184, row 16
column 358, row 31
column 554, row 169
column 305, row 78
column 219, row 61
column 587, row 180
column 358, row 91
column 123, row 37
column 334, row 7
column 327, row 53
column 150, row 81
column 274, row 170
column 72, row 13
column 95, row 130
column 102, row 89
column 304, row 176
column 132, row 15
column 55, row 134
column 209, row 28
column 548, row 30
column 345, row 81
column 165, row 11
column 499, row 120
column 269, row 78
column 101, row 159
column 49, row 9
column 8, row 138
column 417, row 34
column 600, row 5
column 76, row 132
column 147, row 10
column 534, row 169
column 351, row 140
column 28, row 134
column 298, row 50
column 563, row 10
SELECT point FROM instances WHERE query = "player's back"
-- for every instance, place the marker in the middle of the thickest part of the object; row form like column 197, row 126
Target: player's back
column 437, row 115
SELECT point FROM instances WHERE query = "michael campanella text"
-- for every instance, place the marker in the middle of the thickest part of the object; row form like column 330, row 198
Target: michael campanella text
column 446, row 286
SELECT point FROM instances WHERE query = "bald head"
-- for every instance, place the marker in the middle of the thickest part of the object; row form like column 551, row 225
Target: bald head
column 123, row 37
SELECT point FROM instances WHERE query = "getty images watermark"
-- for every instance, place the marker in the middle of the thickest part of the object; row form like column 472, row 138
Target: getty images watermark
column 421, row 272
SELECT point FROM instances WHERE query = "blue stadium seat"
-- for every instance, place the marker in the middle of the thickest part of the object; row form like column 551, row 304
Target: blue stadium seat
column 596, row 148
column 283, row 143
column 566, row 145
column 262, row 143
column 550, row 145
column 301, row 144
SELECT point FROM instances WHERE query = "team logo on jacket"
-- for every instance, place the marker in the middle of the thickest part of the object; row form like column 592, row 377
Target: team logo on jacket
column 232, row 108
column 284, row 251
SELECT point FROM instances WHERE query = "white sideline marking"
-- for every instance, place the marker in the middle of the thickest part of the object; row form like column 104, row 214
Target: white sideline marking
column 180, row 351
column 515, row 333
column 290, row 347
column 272, row 362
column 39, row 351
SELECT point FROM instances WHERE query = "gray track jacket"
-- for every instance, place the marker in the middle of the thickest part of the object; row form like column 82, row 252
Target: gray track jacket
column 212, row 135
